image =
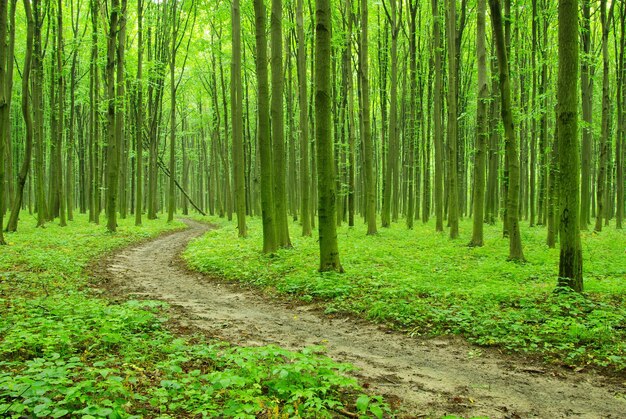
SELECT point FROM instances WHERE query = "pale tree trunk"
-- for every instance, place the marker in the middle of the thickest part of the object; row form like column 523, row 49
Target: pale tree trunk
column 571, row 260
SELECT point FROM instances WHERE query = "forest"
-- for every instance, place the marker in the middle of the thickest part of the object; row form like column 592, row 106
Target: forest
column 290, row 208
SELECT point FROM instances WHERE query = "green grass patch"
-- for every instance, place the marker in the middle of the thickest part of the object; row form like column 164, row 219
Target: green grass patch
column 64, row 351
column 424, row 283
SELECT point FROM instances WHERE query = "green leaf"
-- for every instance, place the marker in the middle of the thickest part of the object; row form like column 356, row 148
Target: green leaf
column 362, row 402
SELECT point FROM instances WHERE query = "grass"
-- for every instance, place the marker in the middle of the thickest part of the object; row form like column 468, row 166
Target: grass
column 66, row 352
column 424, row 283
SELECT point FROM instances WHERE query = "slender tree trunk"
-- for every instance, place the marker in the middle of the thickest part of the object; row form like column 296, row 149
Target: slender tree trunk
column 28, row 122
column 171, row 203
column 437, row 124
column 621, row 118
column 482, row 126
column 512, row 152
column 236, row 103
column 60, row 119
column 366, row 134
column 139, row 122
column 601, row 190
column 277, row 126
column 3, row 109
column 305, row 214
column 37, row 96
column 571, row 260
column 267, row 185
column 453, row 192
column 112, row 144
column 329, row 252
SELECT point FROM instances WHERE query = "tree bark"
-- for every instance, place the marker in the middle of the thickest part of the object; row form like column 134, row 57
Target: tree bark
column 267, row 184
column 570, row 260
column 512, row 153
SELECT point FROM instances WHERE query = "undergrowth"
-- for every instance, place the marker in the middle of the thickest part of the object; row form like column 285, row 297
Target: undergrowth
column 66, row 353
column 424, row 283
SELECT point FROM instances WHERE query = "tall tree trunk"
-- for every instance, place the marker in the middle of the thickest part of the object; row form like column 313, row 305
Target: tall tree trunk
column 586, row 79
column 267, row 185
column 28, row 121
column 621, row 118
column 37, row 96
column 482, row 125
column 601, row 190
column 515, row 242
column 139, row 122
column 570, row 260
column 329, row 252
column 112, row 143
column 171, row 203
column 366, row 134
column 278, row 126
column 437, row 124
column 61, row 118
column 236, row 103
column 3, row 109
column 305, row 213
column 453, row 192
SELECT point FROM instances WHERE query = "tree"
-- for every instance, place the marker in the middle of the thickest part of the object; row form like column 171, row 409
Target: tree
column 305, row 213
column 26, row 113
column 570, row 260
column 267, row 184
column 139, row 122
column 366, row 134
column 3, row 108
column 601, row 189
column 512, row 152
column 236, row 104
column 329, row 252
column 278, row 134
column 453, row 193
column 482, row 125
column 437, row 117
column 113, row 140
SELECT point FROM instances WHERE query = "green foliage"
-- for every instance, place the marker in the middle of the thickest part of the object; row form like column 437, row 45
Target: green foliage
column 424, row 283
column 63, row 351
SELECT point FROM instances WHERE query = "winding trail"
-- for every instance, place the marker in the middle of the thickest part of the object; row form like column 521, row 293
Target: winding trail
column 431, row 377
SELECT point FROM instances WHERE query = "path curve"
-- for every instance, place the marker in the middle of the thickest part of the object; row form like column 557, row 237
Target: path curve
column 432, row 377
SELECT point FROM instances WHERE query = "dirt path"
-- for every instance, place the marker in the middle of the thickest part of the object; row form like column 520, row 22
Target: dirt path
column 432, row 377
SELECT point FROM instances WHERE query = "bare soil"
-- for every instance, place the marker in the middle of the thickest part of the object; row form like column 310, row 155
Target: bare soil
column 429, row 377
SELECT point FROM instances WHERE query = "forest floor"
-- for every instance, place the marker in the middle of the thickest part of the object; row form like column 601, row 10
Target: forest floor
column 428, row 377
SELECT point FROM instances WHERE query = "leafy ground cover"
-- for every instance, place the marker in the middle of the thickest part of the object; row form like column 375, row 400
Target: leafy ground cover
column 424, row 283
column 66, row 352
